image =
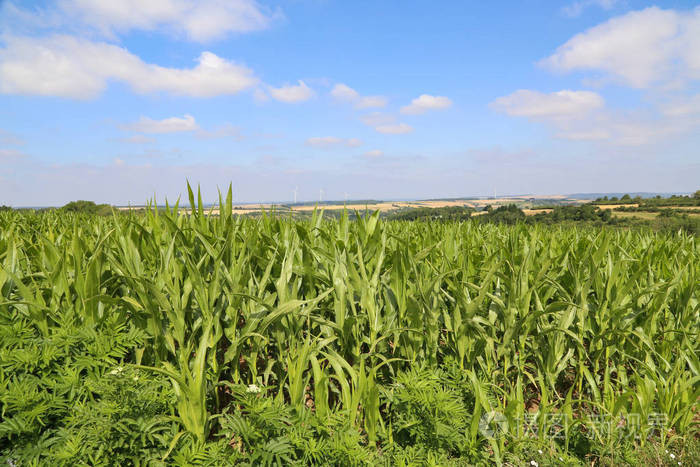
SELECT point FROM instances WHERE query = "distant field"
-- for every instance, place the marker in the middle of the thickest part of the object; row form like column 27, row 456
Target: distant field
column 382, row 206
column 613, row 206
column 530, row 206
column 638, row 215
column 532, row 212
column 525, row 202
column 646, row 215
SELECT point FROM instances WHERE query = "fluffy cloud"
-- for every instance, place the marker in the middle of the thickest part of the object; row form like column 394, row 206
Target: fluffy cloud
column 650, row 49
column 574, row 115
column 167, row 125
column 198, row 20
column 344, row 92
column 639, row 49
column 424, row 103
column 66, row 66
column 582, row 116
column 394, row 129
column 292, row 94
column 331, row 141
column 560, row 104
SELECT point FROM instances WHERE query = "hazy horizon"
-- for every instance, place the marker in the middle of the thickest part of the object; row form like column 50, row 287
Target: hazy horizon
column 184, row 201
column 116, row 102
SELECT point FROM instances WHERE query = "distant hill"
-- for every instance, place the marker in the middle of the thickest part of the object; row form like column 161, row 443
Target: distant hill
column 641, row 194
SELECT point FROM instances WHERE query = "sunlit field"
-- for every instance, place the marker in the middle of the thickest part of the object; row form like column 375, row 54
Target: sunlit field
column 167, row 338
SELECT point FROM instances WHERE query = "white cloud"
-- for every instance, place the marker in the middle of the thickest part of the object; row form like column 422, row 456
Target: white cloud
column 343, row 92
column 198, row 20
column 576, row 8
column 167, row 125
column 639, row 49
column 66, row 66
column 574, row 115
column 649, row 49
column 426, row 102
column 394, row 129
column 374, row 153
column 582, row 116
column 332, row 141
column 385, row 123
column 292, row 94
column 560, row 104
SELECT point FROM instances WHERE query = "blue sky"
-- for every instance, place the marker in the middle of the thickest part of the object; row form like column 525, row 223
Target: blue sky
column 118, row 101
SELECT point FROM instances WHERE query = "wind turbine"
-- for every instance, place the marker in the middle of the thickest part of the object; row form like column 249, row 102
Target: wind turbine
column 295, row 194
column 320, row 195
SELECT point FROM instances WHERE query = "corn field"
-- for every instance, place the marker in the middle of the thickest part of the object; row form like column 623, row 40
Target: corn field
column 167, row 338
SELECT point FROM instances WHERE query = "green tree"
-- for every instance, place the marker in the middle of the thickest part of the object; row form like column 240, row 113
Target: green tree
column 87, row 207
column 509, row 214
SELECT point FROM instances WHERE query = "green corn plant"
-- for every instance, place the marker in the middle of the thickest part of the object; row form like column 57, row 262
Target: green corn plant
column 328, row 314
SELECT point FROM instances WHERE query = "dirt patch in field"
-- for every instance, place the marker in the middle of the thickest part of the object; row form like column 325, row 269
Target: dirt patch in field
column 532, row 212
column 613, row 206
